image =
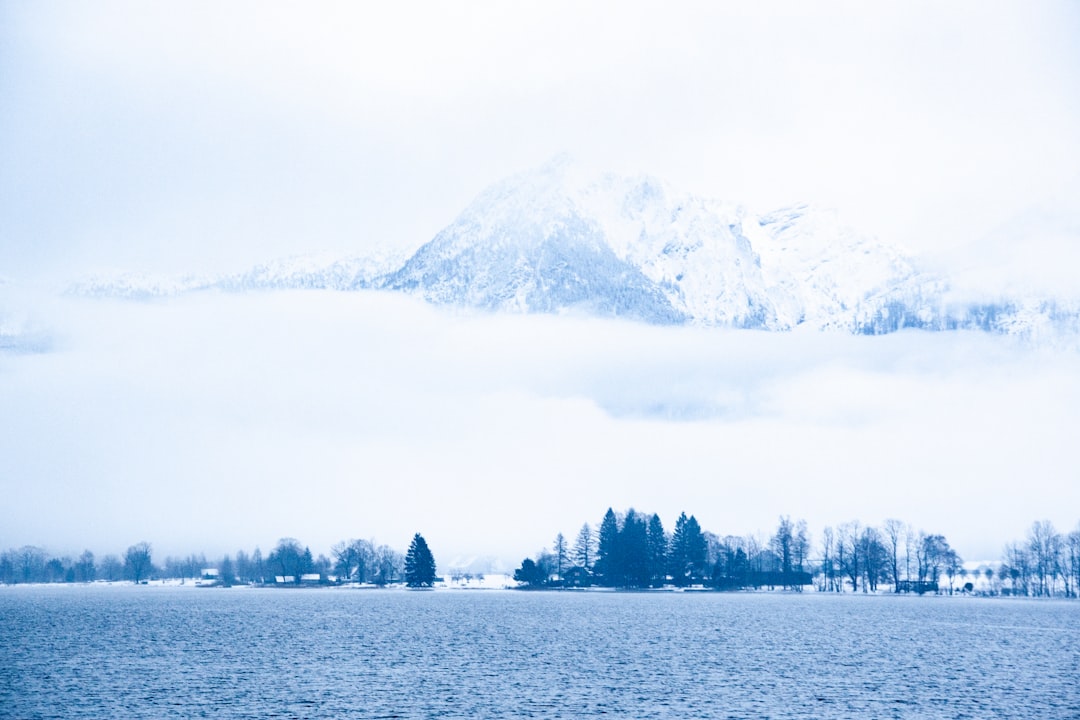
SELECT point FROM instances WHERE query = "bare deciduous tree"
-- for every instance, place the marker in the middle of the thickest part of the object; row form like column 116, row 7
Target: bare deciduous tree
column 137, row 565
column 894, row 533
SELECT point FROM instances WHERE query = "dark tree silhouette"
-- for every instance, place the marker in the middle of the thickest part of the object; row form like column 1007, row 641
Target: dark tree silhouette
column 307, row 562
column 137, row 562
column 657, row 551
column 632, row 552
column 226, row 572
column 419, row 564
column 530, row 573
column 607, row 549
column 687, row 554
column 287, row 559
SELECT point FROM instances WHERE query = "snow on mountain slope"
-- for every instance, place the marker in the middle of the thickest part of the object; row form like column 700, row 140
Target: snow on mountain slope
column 315, row 272
column 557, row 239
column 692, row 248
column 826, row 275
column 714, row 263
column 525, row 245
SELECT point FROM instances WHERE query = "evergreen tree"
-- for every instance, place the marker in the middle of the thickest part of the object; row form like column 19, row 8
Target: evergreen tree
column 607, row 549
column 686, row 559
column 226, row 573
column 530, row 573
column 560, row 555
column 657, row 551
column 633, row 552
column 740, row 568
column 585, row 548
column 419, row 564
column 696, row 549
column 307, row 563
column 678, row 556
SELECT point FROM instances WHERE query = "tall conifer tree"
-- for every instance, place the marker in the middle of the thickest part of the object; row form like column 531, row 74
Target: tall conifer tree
column 607, row 550
column 633, row 551
column 696, row 549
column 560, row 555
column 657, row 551
column 686, row 559
column 419, row 564
column 585, row 548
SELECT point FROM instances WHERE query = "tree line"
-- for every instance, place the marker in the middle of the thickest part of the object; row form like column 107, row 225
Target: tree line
column 627, row 550
column 632, row 550
column 288, row 563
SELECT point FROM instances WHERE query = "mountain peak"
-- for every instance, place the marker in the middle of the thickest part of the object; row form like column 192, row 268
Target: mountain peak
column 562, row 239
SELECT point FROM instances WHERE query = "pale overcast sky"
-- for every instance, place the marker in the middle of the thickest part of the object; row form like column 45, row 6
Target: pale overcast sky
column 207, row 136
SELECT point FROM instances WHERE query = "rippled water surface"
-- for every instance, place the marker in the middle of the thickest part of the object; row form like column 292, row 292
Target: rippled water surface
column 156, row 652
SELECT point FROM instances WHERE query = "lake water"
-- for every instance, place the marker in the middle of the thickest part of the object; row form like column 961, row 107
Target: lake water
column 158, row 652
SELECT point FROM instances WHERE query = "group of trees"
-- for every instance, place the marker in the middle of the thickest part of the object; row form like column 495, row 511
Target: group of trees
column 31, row 564
column 866, row 558
column 362, row 561
column 630, row 550
column 359, row 561
column 1044, row 564
column 634, row 551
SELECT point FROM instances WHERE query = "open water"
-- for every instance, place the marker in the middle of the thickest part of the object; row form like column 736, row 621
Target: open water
column 158, row 652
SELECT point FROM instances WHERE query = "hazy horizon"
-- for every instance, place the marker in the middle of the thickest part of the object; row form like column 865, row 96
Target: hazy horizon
column 206, row 138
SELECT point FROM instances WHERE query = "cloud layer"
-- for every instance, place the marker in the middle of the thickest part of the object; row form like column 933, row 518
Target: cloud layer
column 215, row 422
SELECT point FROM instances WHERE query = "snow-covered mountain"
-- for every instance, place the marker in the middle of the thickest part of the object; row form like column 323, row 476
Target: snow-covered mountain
column 527, row 245
column 560, row 240
column 557, row 239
